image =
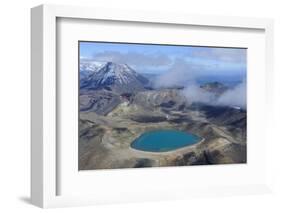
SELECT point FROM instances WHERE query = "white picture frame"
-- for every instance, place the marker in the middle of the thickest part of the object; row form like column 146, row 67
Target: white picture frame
column 44, row 153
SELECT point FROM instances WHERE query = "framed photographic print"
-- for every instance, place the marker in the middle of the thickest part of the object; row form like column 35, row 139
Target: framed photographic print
column 130, row 106
column 152, row 105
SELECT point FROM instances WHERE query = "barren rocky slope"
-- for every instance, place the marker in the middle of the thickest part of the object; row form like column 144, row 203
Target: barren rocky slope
column 105, row 140
column 111, row 119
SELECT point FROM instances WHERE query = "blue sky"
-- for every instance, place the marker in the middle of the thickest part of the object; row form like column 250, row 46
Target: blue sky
column 160, row 59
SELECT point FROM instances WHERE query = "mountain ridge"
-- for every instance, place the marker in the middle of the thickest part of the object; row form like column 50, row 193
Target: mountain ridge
column 112, row 76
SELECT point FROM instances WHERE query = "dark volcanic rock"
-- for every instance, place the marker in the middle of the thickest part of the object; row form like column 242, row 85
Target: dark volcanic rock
column 224, row 115
column 143, row 162
column 232, row 153
column 148, row 118
column 192, row 158
column 168, row 104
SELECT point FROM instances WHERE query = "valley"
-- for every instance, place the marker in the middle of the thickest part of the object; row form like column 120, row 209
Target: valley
column 116, row 107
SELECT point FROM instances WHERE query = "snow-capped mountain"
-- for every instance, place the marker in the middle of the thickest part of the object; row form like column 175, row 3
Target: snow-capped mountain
column 111, row 76
column 88, row 67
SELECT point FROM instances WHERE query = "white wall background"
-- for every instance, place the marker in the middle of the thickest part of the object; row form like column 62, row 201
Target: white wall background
column 15, row 98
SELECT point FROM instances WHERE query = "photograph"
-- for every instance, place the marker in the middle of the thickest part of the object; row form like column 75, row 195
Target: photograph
column 161, row 105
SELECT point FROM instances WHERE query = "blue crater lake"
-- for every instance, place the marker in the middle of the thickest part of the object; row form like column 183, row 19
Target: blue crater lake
column 164, row 140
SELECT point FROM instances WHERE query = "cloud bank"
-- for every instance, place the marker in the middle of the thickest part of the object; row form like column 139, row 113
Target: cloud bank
column 193, row 93
column 184, row 74
column 231, row 55
column 133, row 58
column 234, row 97
column 159, row 59
column 179, row 74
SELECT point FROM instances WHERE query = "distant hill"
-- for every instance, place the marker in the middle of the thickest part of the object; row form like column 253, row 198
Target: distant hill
column 214, row 87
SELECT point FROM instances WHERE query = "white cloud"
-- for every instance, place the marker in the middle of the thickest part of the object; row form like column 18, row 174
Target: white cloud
column 235, row 97
column 179, row 74
column 231, row 55
column 194, row 93
column 133, row 58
